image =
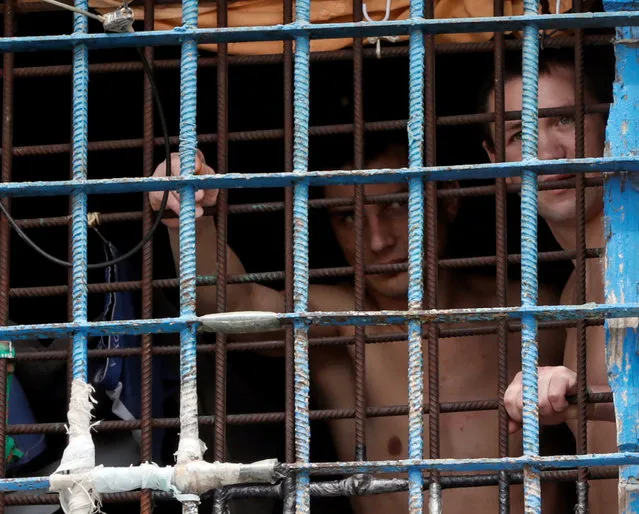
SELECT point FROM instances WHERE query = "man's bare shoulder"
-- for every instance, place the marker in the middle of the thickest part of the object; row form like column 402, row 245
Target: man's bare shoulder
column 568, row 294
column 335, row 298
column 482, row 291
column 474, row 290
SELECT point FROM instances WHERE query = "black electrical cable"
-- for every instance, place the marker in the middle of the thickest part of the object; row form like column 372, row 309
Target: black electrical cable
column 160, row 213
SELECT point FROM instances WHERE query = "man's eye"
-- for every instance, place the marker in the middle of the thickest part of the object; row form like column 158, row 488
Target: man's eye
column 347, row 218
column 516, row 136
column 566, row 120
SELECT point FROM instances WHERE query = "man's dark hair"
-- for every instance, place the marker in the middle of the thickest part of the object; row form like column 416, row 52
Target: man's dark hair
column 597, row 78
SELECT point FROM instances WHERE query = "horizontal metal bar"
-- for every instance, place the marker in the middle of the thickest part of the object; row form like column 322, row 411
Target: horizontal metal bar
column 487, row 464
column 350, row 318
column 557, row 312
column 316, row 131
column 275, row 491
column 260, row 418
column 275, row 276
column 386, row 338
column 318, row 31
column 334, row 55
column 317, row 178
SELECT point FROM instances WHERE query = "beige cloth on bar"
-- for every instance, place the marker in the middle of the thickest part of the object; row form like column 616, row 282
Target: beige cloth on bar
column 247, row 13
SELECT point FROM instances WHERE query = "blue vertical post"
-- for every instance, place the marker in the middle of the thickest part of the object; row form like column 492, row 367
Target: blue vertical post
column 415, row 258
column 301, row 116
column 621, row 214
column 529, row 288
column 189, row 443
column 79, row 154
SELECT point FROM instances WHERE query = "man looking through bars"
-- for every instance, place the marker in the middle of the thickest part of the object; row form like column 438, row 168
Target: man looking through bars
column 558, row 208
column 468, row 365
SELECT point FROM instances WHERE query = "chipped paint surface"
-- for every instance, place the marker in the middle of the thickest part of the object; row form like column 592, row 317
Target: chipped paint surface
column 317, row 31
column 621, row 209
column 317, row 178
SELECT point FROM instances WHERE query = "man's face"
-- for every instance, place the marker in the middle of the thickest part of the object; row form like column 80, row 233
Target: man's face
column 385, row 228
column 556, row 141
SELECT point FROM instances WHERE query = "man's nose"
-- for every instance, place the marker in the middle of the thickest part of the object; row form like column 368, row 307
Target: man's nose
column 379, row 233
column 550, row 147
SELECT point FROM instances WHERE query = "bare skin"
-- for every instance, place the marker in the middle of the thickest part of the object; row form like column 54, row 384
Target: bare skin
column 557, row 141
column 468, row 365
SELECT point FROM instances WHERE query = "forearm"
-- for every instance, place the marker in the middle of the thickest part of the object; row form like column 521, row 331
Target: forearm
column 238, row 295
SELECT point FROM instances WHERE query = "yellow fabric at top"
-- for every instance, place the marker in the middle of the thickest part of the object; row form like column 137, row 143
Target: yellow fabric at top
column 243, row 13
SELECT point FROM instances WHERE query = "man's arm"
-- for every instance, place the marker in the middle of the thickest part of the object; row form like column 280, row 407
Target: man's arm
column 240, row 297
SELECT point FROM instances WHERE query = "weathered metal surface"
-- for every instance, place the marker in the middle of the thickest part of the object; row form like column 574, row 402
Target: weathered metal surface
column 317, row 178
column 621, row 209
column 317, row 31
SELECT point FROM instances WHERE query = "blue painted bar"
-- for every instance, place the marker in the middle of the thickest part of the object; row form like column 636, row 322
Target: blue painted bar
column 316, row 31
column 363, row 318
column 314, row 178
column 529, row 286
column 402, row 466
column 621, row 209
column 461, row 465
column 79, row 157
column 189, row 442
column 301, row 119
column 415, row 129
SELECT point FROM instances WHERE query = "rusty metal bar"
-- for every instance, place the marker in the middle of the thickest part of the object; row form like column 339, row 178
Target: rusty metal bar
column 580, row 269
column 5, row 230
column 275, row 134
column 254, row 208
column 501, row 254
column 337, row 55
column 271, row 276
column 279, row 417
column 146, row 386
column 432, row 269
column 360, row 286
column 222, row 227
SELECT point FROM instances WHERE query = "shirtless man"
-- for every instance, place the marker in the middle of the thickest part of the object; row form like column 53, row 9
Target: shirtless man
column 558, row 208
column 468, row 365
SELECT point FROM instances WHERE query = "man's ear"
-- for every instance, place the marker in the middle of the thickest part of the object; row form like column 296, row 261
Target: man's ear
column 488, row 148
column 489, row 151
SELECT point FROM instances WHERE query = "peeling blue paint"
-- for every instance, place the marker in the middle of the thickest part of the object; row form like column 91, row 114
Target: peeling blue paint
column 621, row 265
column 316, row 178
column 291, row 31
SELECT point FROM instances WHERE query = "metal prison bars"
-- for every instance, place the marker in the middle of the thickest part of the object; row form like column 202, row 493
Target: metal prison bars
column 421, row 124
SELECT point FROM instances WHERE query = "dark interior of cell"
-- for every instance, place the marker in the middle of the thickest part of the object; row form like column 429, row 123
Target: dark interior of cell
column 42, row 108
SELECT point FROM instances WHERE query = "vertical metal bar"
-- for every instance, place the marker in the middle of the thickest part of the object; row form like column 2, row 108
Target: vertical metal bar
column 415, row 258
column 289, row 489
column 301, row 77
column 580, row 267
column 360, row 289
column 79, row 154
column 146, row 406
column 288, row 227
column 529, row 286
column 621, row 212
column 220, row 504
column 189, row 443
column 432, row 268
column 501, row 253
column 5, row 230
column 222, row 226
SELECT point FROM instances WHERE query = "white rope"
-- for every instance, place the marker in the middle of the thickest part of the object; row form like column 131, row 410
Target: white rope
column 377, row 41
